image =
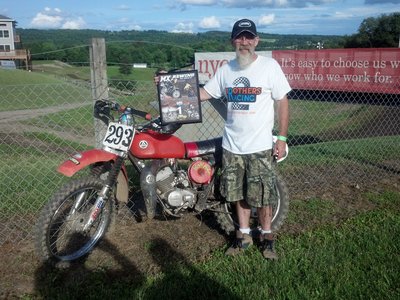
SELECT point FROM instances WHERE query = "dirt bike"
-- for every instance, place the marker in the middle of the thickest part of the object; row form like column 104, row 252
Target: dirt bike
column 174, row 177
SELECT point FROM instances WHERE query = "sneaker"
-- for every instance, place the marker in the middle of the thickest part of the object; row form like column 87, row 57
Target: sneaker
column 267, row 246
column 242, row 242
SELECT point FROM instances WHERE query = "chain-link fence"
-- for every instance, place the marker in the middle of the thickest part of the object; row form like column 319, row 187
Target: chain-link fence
column 335, row 139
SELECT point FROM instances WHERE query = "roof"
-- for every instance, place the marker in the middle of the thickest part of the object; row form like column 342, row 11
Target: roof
column 4, row 18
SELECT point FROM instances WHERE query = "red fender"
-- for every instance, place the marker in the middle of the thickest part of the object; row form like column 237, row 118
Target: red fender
column 83, row 159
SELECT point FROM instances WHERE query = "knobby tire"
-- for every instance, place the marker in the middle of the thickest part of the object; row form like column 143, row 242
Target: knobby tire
column 59, row 234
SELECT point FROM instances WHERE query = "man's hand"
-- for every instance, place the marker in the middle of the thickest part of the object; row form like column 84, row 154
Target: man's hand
column 279, row 150
column 156, row 78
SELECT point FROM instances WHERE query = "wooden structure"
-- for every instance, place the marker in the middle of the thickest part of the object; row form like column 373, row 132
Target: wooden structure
column 10, row 44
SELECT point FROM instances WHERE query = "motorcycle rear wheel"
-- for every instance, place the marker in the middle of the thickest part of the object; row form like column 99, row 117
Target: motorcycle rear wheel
column 59, row 234
column 228, row 221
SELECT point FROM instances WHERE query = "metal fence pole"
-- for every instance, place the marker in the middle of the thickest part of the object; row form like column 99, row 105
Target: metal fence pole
column 98, row 75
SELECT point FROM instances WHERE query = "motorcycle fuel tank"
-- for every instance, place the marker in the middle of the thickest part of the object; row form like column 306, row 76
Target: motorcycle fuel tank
column 155, row 145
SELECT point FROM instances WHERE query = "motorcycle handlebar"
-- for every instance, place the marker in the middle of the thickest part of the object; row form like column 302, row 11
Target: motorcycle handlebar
column 140, row 113
column 104, row 105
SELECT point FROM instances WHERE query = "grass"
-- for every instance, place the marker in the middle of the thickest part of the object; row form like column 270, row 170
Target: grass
column 31, row 174
column 30, row 90
column 366, row 151
column 78, row 120
column 356, row 260
column 30, row 179
column 331, row 117
column 21, row 77
column 63, row 70
column 40, row 177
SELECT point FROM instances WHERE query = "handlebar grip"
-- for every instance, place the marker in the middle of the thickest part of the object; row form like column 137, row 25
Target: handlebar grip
column 142, row 114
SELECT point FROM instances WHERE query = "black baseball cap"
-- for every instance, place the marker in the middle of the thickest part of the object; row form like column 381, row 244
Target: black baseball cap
column 243, row 25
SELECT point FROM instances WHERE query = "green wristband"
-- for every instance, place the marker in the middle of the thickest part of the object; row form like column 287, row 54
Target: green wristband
column 282, row 138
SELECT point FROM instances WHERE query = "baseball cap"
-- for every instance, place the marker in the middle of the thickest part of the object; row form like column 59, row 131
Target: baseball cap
column 243, row 25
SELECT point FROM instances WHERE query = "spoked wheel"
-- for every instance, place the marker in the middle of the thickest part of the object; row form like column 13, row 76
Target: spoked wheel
column 228, row 220
column 61, row 232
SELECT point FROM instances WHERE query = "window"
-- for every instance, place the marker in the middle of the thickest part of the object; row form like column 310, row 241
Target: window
column 4, row 34
column 5, row 48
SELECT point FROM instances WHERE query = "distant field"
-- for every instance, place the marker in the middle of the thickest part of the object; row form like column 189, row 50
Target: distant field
column 83, row 72
column 20, row 77
column 53, row 83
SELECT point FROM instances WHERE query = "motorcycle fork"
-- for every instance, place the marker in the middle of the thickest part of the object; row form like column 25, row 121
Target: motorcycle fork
column 104, row 193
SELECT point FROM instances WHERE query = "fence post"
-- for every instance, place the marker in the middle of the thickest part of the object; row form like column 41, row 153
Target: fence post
column 98, row 75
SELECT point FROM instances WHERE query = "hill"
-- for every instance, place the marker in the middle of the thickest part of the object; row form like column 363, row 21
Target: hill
column 156, row 48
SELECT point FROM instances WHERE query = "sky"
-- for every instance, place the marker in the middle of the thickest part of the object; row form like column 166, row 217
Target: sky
column 325, row 17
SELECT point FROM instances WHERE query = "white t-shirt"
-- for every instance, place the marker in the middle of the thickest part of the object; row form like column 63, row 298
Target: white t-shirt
column 250, row 95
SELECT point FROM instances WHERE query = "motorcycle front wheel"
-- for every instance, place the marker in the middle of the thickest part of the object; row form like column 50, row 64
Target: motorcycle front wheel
column 60, row 232
column 228, row 220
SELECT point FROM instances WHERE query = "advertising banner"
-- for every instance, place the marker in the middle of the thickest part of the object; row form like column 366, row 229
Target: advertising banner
column 372, row 70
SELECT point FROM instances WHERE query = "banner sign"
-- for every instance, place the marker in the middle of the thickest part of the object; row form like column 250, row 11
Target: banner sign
column 372, row 70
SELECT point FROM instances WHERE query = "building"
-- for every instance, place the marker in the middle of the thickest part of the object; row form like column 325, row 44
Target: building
column 139, row 65
column 11, row 52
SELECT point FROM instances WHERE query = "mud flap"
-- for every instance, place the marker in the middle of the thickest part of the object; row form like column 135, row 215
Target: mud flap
column 122, row 188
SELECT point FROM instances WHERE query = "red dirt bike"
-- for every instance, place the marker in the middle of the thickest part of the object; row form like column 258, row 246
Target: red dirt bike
column 175, row 177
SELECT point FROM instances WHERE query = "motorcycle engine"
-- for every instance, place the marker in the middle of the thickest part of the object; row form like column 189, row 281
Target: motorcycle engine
column 174, row 188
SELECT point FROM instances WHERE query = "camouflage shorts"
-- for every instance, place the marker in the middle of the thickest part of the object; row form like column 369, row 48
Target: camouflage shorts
column 250, row 177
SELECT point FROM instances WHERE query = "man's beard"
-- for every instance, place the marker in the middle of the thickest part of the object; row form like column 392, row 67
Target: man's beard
column 244, row 59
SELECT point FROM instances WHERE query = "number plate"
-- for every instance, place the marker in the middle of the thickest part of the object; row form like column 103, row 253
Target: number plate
column 119, row 136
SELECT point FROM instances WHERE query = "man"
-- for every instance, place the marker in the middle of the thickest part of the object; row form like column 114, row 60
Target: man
column 251, row 84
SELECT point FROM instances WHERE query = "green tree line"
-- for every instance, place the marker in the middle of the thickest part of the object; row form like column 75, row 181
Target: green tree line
column 174, row 50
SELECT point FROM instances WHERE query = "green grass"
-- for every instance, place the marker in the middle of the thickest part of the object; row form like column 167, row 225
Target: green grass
column 83, row 72
column 367, row 150
column 356, row 260
column 31, row 177
column 21, row 77
column 314, row 118
column 37, row 162
column 30, row 90
column 31, row 173
column 79, row 120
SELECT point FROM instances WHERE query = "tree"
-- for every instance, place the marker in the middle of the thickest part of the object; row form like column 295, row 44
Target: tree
column 125, row 66
column 383, row 31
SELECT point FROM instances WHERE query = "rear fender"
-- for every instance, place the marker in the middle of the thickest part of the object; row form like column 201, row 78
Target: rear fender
column 83, row 159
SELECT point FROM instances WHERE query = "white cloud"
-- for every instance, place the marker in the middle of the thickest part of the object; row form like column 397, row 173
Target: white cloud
column 266, row 20
column 257, row 3
column 51, row 18
column 198, row 2
column 46, row 21
column 78, row 23
column 135, row 27
column 182, row 27
column 123, row 7
column 209, row 22
column 343, row 15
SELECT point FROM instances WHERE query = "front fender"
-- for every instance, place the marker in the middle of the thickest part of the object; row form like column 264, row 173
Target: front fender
column 83, row 159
